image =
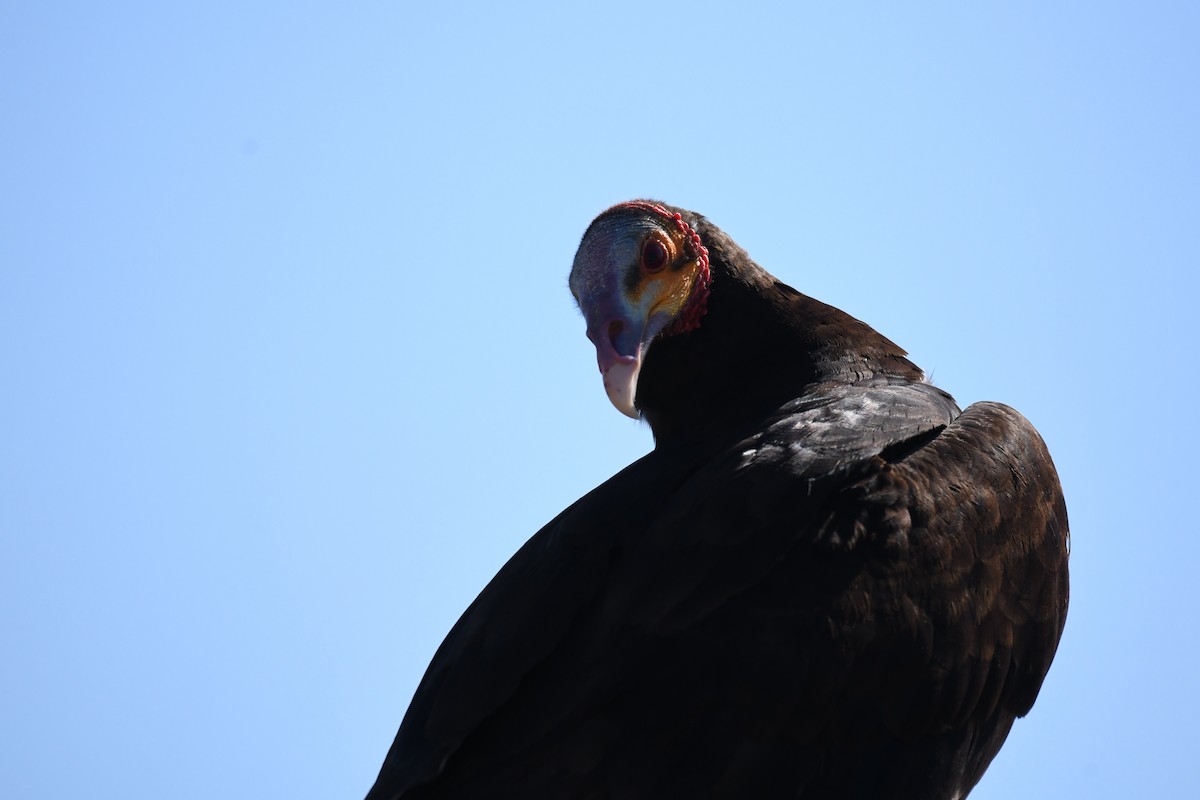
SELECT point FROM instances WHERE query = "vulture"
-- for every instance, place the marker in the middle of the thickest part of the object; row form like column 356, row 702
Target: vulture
column 825, row 580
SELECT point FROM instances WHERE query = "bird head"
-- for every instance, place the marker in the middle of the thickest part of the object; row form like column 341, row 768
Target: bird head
column 641, row 273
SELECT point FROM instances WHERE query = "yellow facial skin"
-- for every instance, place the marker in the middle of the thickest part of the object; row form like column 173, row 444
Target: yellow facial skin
column 671, row 290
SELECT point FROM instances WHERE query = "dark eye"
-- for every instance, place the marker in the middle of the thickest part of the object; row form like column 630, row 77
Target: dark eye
column 654, row 255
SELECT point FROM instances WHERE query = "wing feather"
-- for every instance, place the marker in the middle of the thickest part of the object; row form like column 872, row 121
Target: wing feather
column 870, row 577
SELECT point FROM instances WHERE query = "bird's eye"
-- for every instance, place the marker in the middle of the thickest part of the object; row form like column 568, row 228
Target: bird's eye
column 654, row 255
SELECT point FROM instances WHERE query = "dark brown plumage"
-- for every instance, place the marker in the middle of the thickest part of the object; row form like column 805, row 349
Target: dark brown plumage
column 825, row 581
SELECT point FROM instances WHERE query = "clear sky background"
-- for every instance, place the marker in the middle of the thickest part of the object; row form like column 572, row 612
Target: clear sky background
column 288, row 366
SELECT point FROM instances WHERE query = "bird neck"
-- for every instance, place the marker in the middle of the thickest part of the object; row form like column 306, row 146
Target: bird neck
column 760, row 344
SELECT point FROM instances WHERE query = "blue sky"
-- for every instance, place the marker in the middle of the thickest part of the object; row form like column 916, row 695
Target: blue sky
column 288, row 367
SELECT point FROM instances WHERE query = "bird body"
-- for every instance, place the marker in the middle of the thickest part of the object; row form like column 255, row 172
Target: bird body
column 825, row 581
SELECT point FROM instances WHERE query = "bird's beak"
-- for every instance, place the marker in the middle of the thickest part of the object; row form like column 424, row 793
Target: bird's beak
column 620, row 382
column 619, row 350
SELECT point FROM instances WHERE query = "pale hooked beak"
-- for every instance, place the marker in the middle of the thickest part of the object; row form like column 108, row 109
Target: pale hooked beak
column 620, row 382
column 619, row 353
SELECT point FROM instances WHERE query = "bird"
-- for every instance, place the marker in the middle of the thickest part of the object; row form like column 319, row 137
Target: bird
column 825, row 581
